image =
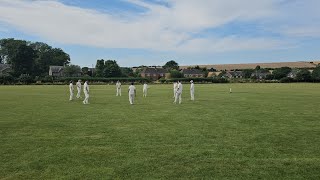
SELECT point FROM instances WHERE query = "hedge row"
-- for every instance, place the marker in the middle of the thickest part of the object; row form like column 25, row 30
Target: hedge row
column 104, row 80
column 196, row 80
column 95, row 80
column 65, row 80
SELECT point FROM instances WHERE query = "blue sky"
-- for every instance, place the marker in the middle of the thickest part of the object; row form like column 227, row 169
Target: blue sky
column 151, row 32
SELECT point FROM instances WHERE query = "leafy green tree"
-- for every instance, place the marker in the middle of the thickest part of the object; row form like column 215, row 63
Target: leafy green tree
column 281, row 72
column 42, row 60
column 99, row 68
column 22, row 60
column 127, row 72
column 112, row 69
column 176, row 74
column 171, row 65
column 72, row 70
column 43, row 56
column 303, row 75
column 9, row 48
column 85, row 70
column 247, row 73
column 47, row 56
column 316, row 74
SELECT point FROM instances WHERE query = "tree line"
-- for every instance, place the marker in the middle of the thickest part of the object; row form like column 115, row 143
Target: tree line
column 280, row 74
column 30, row 58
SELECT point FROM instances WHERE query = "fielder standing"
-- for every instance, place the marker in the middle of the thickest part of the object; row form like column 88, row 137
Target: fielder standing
column 118, row 86
column 79, row 89
column 178, row 93
column 132, row 93
column 175, row 87
column 71, row 90
column 86, row 93
column 145, row 89
column 192, row 90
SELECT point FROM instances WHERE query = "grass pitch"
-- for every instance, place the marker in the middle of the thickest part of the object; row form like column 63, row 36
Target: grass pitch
column 260, row 131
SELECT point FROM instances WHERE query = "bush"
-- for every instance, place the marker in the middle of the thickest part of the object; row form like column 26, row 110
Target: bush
column 7, row 79
column 25, row 79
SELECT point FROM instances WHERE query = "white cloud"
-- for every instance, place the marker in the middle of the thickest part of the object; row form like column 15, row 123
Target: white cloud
column 159, row 28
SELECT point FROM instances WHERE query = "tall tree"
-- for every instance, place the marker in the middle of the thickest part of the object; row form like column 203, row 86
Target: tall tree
column 44, row 55
column 175, row 74
column 171, row 65
column 9, row 48
column 303, row 75
column 281, row 72
column 99, row 68
column 316, row 74
column 72, row 70
column 125, row 71
column 59, row 57
column 85, row 70
column 43, row 59
column 112, row 69
column 247, row 73
column 22, row 61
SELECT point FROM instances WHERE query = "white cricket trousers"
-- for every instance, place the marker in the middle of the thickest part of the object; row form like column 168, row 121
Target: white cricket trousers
column 118, row 92
column 71, row 95
column 192, row 94
column 178, row 96
column 145, row 91
column 79, row 92
column 131, row 98
column 86, row 98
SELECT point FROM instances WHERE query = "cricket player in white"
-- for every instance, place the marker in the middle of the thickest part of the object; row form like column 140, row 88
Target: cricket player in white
column 175, row 87
column 145, row 89
column 192, row 90
column 132, row 93
column 118, row 86
column 79, row 89
column 178, row 93
column 71, row 90
column 86, row 93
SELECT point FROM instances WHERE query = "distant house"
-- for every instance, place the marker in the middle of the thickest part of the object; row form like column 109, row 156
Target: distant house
column 91, row 71
column 213, row 74
column 260, row 74
column 56, row 71
column 153, row 73
column 5, row 69
column 293, row 73
column 197, row 73
column 234, row 74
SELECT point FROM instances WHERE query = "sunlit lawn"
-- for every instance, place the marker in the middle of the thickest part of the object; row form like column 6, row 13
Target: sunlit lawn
column 266, row 131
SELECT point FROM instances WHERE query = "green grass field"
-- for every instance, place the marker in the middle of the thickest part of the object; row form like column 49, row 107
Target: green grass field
column 260, row 131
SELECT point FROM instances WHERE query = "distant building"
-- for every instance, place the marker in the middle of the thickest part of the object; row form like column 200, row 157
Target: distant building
column 56, row 71
column 153, row 73
column 197, row 73
column 232, row 67
column 213, row 74
column 260, row 74
column 5, row 69
column 293, row 73
column 234, row 74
